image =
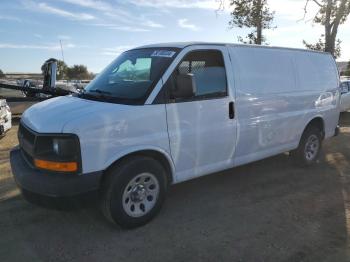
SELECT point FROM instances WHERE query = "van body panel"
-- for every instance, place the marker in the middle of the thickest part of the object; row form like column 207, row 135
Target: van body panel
column 274, row 104
column 117, row 131
column 132, row 150
column 51, row 115
column 318, row 73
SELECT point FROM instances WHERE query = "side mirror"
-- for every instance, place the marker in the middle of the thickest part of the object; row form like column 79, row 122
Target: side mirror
column 50, row 71
column 185, row 86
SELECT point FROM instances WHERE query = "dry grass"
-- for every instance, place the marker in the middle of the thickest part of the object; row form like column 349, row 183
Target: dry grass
column 7, row 184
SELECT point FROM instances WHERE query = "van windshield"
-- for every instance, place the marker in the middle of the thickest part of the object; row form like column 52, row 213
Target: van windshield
column 131, row 77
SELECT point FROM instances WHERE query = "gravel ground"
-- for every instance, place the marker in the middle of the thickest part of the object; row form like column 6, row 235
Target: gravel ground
column 265, row 211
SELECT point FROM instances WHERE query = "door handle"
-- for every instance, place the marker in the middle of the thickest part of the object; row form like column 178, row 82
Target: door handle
column 231, row 110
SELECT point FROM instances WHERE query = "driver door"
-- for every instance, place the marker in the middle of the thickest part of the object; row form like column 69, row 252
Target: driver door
column 202, row 129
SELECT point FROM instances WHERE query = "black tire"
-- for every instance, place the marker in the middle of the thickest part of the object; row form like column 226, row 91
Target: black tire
column 114, row 185
column 300, row 156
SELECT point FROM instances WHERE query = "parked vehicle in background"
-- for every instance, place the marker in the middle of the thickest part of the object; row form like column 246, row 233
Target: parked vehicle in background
column 5, row 117
column 19, row 101
column 167, row 113
column 74, row 86
column 66, row 85
column 24, row 93
column 345, row 95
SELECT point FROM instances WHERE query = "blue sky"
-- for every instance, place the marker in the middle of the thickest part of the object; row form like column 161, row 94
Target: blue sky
column 94, row 32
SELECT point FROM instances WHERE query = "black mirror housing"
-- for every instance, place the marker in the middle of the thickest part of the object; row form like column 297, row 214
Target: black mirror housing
column 185, row 86
column 50, row 71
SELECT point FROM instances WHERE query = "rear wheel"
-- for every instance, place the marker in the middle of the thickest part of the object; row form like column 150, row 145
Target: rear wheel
column 309, row 147
column 133, row 191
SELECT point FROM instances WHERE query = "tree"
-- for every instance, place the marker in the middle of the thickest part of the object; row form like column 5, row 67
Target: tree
column 2, row 75
column 331, row 14
column 346, row 72
column 78, row 72
column 320, row 46
column 251, row 14
column 61, row 70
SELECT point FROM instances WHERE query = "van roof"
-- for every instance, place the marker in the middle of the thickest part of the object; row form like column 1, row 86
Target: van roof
column 186, row 44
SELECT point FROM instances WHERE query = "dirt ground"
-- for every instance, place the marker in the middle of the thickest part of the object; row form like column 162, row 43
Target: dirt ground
column 265, row 211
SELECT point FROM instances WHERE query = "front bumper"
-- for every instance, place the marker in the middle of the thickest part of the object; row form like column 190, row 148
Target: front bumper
column 48, row 183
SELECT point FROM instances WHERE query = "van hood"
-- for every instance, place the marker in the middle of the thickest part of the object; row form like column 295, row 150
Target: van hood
column 50, row 116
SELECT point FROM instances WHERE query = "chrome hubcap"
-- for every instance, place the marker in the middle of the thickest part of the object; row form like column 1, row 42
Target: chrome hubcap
column 140, row 195
column 311, row 147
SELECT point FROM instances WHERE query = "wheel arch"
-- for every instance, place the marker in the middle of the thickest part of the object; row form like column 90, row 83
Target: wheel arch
column 156, row 153
column 318, row 122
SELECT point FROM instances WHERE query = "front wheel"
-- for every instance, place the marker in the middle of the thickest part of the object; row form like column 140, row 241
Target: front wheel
column 309, row 147
column 133, row 191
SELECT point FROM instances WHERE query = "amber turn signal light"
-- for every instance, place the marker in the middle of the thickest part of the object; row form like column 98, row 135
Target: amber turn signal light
column 56, row 166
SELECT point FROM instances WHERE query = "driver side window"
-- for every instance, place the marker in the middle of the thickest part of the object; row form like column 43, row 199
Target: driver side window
column 208, row 70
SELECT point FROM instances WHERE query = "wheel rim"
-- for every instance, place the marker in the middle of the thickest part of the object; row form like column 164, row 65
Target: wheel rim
column 140, row 195
column 311, row 147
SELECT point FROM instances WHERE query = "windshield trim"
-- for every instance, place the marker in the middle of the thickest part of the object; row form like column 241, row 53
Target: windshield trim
column 138, row 101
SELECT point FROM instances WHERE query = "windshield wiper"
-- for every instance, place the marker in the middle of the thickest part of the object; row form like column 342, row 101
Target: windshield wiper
column 100, row 95
column 99, row 91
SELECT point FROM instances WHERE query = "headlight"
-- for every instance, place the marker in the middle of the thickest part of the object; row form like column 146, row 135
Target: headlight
column 56, row 146
column 65, row 147
column 58, row 153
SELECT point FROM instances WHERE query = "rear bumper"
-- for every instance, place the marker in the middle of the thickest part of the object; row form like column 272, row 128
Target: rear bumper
column 51, row 184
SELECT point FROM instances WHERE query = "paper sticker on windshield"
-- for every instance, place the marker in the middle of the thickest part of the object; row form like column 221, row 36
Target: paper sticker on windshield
column 163, row 53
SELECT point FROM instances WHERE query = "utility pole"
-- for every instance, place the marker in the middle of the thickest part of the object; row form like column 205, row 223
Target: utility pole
column 62, row 50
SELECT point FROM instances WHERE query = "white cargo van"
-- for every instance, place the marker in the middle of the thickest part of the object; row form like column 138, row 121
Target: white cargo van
column 163, row 114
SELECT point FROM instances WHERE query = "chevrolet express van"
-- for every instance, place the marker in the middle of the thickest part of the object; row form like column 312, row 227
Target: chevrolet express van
column 162, row 114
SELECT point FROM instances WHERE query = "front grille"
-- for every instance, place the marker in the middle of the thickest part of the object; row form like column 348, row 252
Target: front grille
column 27, row 134
column 26, row 139
column 28, row 158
